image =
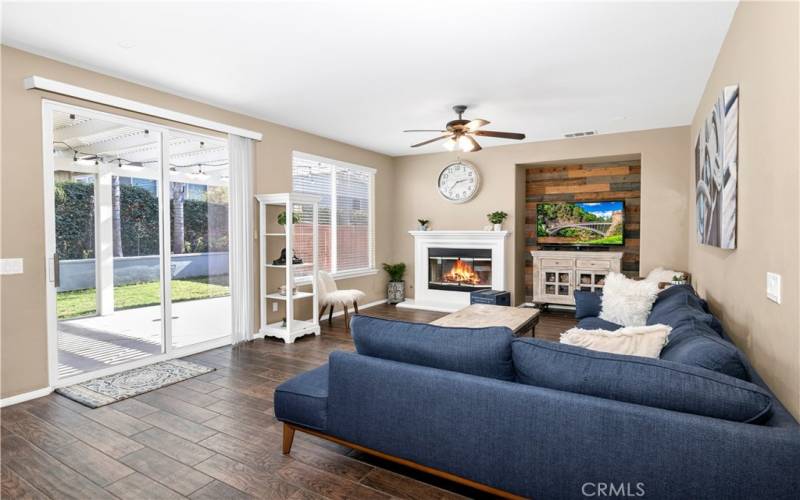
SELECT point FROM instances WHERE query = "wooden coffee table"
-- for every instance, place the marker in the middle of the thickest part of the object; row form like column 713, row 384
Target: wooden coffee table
column 520, row 320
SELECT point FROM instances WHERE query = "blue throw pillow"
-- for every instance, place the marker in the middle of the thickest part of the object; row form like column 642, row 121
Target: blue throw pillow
column 485, row 352
column 643, row 381
column 587, row 304
column 594, row 323
column 695, row 343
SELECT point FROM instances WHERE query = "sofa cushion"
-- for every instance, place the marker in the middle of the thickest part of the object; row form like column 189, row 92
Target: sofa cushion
column 587, row 304
column 679, row 303
column 650, row 382
column 303, row 400
column 594, row 323
column 478, row 351
column 693, row 342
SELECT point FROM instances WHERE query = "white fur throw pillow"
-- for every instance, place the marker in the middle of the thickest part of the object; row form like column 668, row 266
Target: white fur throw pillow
column 627, row 302
column 645, row 341
column 660, row 274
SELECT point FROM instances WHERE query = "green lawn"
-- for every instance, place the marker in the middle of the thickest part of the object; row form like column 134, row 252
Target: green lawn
column 82, row 302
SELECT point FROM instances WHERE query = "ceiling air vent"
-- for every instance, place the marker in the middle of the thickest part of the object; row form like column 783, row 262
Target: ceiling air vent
column 581, row 134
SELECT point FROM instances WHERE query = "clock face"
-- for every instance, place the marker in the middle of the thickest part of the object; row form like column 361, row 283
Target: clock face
column 459, row 182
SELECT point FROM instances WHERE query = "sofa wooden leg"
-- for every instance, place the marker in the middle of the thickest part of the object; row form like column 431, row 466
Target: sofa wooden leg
column 355, row 306
column 330, row 315
column 288, row 438
column 346, row 321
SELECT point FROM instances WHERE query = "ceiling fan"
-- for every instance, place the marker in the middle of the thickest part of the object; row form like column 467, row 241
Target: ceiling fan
column 459, row 133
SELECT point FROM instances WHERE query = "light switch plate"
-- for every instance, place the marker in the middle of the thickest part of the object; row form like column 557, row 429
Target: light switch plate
column 774, row 287
column 11, row 266
column 274, row 307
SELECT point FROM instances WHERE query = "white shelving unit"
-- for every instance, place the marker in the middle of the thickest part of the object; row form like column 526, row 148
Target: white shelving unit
column 270, row 243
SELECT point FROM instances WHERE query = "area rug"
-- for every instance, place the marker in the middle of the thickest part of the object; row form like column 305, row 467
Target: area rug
column 112, row 388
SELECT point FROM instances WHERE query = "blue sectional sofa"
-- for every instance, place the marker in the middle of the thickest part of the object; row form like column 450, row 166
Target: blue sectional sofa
column 531, row 418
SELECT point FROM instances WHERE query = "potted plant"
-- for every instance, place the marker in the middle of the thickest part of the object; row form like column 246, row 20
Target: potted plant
column 282, row 218
column 679, row 279
column 396, row 289
column 497, row 219
column 423, row 224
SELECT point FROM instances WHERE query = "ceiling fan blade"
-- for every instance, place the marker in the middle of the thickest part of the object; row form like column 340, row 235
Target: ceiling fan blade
column 424, row 130
column 432, row 140
column 475, row 145
column 502, row 135
column 475, row 124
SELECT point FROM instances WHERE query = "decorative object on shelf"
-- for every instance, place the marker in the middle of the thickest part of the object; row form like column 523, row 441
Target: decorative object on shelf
column 716, row 171
column 282, row 218
column 330, row 296
column 459, row 182
column 423, row 224
column 282, row 290
column 281, row 261
column 283, row 323
column 497, row 218
column 396, row 289
column 460, row 132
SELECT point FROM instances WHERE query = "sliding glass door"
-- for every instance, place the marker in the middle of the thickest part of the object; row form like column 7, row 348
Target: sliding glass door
column 138, row 237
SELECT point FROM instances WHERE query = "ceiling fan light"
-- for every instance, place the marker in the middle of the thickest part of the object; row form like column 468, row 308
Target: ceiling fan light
column 450, row 144
column 467, row 144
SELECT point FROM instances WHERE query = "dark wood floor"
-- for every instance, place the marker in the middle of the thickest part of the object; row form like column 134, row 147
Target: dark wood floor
column 211, row 437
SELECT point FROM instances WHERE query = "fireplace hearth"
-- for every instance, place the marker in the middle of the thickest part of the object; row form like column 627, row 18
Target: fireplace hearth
column 459, row 269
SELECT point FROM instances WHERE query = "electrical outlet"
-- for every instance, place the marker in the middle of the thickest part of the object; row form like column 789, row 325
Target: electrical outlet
column 274, row 307
column 774, row 287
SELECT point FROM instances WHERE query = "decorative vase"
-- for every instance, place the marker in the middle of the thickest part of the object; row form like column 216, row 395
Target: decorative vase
column 422, row 228
column 396, row 292
column 498, row 227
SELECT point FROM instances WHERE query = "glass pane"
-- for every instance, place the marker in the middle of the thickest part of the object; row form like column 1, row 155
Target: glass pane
column 563, row 277
column 107, row 242
column 550, row 277
column 352, row 218
column 199, row 202
column 563, row 290
column 313, row 177
column 550, row 289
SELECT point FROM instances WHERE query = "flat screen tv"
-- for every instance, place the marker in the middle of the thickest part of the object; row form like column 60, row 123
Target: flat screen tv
column 596, row 223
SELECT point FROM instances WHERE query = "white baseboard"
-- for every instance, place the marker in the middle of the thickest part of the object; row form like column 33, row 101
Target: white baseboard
column 340, row 312
column 25, row 396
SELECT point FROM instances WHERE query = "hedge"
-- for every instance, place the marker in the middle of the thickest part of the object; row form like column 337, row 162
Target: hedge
column 139, row 219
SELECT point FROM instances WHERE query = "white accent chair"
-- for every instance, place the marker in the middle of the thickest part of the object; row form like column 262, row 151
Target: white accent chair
column 331, row 296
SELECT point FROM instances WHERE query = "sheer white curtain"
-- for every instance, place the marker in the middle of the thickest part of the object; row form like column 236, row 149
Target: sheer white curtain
column 241, row 152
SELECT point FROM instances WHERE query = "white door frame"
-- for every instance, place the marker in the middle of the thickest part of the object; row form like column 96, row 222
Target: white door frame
column 48, row 163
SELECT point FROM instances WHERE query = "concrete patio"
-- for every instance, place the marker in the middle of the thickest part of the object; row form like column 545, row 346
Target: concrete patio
column 93, row 343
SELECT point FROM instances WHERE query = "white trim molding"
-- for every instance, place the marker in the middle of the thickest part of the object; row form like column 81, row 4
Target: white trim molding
column 444, row 300
column 56, row 87
column 25, row 396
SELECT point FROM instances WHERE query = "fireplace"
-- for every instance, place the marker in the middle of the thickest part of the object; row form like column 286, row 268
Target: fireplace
column 459, row 269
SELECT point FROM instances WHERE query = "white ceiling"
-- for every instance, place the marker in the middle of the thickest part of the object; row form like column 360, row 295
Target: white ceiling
column 361, row 72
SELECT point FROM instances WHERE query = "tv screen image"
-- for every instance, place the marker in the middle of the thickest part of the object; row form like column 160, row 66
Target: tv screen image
column 598, row 223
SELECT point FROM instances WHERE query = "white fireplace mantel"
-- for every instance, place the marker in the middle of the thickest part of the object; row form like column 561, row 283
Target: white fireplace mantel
column 445, row 300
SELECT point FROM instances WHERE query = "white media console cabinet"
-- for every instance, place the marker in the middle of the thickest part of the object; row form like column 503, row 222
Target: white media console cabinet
column 556, row 274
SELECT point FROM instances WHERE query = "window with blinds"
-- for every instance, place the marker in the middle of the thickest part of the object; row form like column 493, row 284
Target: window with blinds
column 345, row 214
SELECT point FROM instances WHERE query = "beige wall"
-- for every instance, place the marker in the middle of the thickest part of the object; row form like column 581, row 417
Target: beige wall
column 664, row 196
column 23, row 340
column 760, row 53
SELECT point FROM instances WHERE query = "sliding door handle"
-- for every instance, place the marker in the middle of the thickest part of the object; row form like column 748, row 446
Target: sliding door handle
column 56, row 271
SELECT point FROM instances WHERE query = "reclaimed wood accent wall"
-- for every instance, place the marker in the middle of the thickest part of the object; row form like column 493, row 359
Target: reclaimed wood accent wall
column 584, row 182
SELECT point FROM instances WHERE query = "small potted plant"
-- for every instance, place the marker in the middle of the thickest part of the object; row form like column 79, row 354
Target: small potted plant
column 679, row 279
column 396, row 289
column 282, row 218
column 423, row 224
column 497, row 219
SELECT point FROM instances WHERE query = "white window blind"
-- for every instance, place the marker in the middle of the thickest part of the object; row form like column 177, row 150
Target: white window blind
column 345, row 216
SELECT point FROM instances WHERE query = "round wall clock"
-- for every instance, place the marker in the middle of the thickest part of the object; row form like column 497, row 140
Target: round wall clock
column 459, row 181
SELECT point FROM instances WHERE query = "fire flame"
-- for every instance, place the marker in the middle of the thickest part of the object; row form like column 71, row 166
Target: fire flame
column 462, row 273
